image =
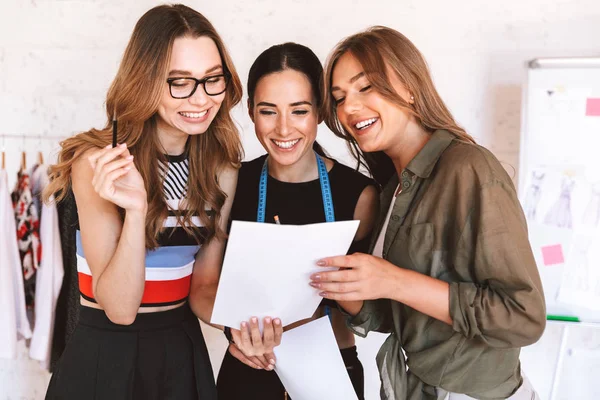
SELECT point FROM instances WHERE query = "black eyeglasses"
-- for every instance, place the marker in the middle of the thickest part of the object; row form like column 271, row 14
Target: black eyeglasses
column 182, row 88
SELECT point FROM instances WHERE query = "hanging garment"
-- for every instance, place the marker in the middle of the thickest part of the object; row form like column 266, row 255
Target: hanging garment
column 27, row 234
column 49, row 276
column 67, row 308
column 39, row 180
column 13, row 315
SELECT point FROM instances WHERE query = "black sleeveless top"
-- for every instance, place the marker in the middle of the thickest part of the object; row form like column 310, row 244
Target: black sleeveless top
column 300, row 203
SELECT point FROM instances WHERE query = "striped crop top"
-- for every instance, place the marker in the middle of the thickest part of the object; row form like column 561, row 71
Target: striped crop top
column 168, row 267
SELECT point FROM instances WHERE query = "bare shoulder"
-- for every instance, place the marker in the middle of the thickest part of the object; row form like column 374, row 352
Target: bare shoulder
column 82, row 174
column 368, row 198
column 82, row 168
column 228, row 176
column 328, row 163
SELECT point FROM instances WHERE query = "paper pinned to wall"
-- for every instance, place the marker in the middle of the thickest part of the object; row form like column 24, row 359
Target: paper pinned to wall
column 562, row 206
column 580, row 285
column 553, row 254
column 592, row 107
column 548, row 243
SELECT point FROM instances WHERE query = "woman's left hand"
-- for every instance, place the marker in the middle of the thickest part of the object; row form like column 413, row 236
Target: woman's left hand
column 361, row 277
column 256, row 347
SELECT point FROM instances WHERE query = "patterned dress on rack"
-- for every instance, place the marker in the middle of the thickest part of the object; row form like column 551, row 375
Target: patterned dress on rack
column 28, row 234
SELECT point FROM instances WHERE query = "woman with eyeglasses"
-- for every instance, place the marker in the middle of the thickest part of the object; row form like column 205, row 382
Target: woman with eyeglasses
column 152, row 214
column 284, row 100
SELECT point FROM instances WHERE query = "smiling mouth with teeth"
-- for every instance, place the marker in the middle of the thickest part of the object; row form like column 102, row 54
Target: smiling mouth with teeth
column 365, row 124
column 287, row 144
column 193, row 114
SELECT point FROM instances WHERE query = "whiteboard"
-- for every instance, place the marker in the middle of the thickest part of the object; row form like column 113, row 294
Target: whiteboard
column 559, row 181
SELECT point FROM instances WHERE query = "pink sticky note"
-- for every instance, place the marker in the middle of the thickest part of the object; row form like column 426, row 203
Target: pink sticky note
column 553, row 254
column 592, row 108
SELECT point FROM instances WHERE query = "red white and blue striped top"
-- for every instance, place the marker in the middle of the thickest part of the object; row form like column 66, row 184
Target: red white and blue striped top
column 168, row 267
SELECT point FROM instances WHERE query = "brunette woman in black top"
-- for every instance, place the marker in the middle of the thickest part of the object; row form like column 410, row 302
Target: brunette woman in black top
column 284, row 102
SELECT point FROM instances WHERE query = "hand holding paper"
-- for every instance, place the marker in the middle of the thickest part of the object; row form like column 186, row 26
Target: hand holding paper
column 257, row 348
column 363, row 277
column 267, row 267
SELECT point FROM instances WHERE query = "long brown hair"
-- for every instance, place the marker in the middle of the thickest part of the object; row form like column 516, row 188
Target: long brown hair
column 134, row 97
column 376, row 49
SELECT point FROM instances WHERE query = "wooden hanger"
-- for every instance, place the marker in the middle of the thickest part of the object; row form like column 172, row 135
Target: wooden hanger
column 23, row 161
column 40, row 157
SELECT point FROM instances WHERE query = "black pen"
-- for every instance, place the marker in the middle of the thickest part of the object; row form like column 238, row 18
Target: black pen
column 114, row 126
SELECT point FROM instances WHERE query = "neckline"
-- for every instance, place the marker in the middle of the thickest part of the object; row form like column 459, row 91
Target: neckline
column 271, row 178
column 177, row 158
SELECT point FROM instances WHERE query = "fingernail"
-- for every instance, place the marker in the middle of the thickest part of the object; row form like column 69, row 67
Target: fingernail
column 123, row 145
column 316, row 277
column 254, row 320
column 244, row 324
column 127, row 168
column 321, row 263
column 267, row 320
column 272, row 361
column 277, row 321
column 315, row 285
column 270, row 367
column 108, row 146
column 129, row 157
column 323, row 294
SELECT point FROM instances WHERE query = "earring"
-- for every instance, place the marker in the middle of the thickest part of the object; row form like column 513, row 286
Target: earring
column 412, row 98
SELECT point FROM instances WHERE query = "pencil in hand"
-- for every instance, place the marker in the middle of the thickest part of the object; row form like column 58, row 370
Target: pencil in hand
column 114, row 133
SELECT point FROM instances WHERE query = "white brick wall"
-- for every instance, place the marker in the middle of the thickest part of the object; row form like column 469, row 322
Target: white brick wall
column 57, row 58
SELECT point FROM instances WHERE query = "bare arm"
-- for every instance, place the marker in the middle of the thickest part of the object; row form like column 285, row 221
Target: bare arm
column 249, row 347
column 408, row 287
column 114, row 250
column 207, row 268
column 366, row 211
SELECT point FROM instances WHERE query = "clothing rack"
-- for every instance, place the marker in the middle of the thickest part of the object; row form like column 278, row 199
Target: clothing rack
column 26, row 136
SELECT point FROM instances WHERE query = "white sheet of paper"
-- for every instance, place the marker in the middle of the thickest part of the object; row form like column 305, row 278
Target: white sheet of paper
column 581, row 282
column 310, row 365
column 267, row 268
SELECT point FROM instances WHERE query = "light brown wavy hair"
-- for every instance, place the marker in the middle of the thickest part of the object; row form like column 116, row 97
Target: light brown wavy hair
column 134, row 97
column 376, row 49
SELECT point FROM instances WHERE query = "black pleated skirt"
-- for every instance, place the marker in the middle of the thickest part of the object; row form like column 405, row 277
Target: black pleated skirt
column 161, row 355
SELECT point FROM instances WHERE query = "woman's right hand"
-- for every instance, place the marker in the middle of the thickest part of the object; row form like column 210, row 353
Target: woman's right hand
column 257, row 348
column 116, row 178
